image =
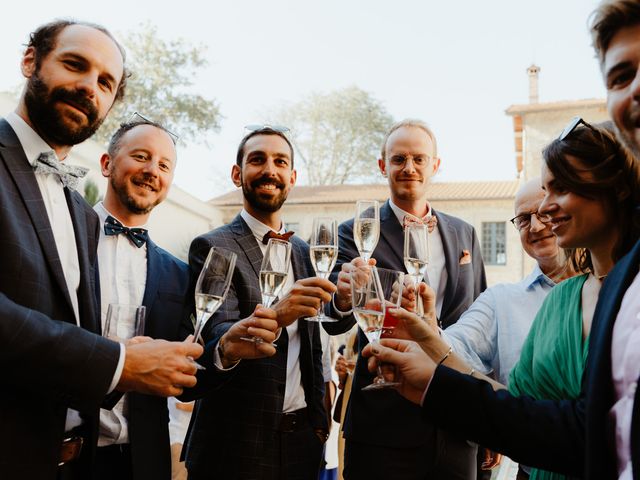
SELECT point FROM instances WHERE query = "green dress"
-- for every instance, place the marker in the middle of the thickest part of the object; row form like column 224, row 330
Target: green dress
column 553, row 355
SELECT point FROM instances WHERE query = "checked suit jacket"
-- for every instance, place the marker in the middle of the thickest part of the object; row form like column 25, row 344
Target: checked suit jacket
column 49, row 364
column 399, row 423
column 573, row 437
column 239, row 410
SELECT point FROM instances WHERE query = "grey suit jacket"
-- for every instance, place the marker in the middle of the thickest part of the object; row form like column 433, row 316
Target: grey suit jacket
column 239, row 410
column 464, row 283
column 50, row 363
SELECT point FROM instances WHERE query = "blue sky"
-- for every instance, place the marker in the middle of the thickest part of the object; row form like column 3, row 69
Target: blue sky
column 455, row 64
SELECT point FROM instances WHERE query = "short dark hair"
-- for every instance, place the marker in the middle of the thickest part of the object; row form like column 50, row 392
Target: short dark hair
column 43, row 40
column 610, row 17
column 262, row 131
column 615, row 178
column 116, row 138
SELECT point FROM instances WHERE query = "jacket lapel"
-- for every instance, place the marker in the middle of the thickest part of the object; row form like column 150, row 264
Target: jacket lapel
column 24, row 178
column 392, row 233
column 248, row 243
column 451, row 249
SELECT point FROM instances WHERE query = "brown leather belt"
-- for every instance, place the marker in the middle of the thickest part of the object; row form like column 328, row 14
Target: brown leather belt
column 70, row 449
column 294, row 421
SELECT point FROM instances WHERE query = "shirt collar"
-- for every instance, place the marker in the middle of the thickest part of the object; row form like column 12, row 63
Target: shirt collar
column 103, row 213
column 32, row 144
column 258, row 228
column 537, row 276
column 400, row 214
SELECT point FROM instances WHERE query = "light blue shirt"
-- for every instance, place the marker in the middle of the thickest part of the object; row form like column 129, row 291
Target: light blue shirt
column 490, row 334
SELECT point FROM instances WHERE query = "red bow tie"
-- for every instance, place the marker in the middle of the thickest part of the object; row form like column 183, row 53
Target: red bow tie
column 429, row 220
column 271, row 234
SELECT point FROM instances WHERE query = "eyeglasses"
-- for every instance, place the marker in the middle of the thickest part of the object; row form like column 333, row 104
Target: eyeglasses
column 523, row 220
column 572, row 125
column 137, row 118
column 275, row 128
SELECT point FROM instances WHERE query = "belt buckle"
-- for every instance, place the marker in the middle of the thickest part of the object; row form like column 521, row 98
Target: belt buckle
column 70, row 449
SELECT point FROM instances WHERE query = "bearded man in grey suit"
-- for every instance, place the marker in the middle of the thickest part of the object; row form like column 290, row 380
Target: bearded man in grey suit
column 405, row 446
column 266, row 420
column 58, row 374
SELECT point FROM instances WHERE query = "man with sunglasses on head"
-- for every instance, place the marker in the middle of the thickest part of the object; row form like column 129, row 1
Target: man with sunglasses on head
column 266, row 419
column 596, row 436
column 57, row 374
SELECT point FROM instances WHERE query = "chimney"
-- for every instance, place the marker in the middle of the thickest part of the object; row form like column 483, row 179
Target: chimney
column 533, row 71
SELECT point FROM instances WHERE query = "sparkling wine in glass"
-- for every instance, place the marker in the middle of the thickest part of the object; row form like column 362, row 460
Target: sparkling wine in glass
column 393, row 284
column 324, row 253
column 369, row 307
column 212, row 286
column 273, row 274
column 416, row 257
column 366, row 227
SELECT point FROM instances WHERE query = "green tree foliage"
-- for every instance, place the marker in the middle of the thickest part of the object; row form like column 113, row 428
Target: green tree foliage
column 91, row 192
column 337, row 135
column 162, row 72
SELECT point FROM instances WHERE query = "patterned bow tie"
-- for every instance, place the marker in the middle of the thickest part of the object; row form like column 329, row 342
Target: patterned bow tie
column 429, row 220
column 48, row 164
column 271, row 234
column 138, row 236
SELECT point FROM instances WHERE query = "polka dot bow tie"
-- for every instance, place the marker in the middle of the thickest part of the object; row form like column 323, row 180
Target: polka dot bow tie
column 429, row 220
column 48, row 164
column 138, row 236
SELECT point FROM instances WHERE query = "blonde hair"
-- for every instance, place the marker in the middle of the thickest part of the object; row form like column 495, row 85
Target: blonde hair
column 409, row 122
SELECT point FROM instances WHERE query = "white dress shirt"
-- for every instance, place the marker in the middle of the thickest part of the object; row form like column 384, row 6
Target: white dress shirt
column 55, row 203
column 625, row 370
column 436, row 269
column 294, row 393
column 123, row 278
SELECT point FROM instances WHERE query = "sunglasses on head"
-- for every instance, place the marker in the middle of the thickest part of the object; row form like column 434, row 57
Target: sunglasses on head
column 138, row 118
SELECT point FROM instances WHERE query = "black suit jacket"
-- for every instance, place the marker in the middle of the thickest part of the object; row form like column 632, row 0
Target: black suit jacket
column 571, row 437
column 241, row 408
column 167, row 296
column 393, row 414
column 49, row 363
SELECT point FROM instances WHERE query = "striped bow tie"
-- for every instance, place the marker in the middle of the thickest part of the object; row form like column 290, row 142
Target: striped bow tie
column 48, row 164
column 429, row 220
column 138, row 236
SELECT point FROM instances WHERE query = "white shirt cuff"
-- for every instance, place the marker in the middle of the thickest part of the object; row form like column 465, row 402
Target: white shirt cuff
column 118, row 373
column 340, row 313
column 217, row 361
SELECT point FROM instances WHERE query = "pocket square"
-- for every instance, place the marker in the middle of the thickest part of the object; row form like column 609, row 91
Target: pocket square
column 465, row 258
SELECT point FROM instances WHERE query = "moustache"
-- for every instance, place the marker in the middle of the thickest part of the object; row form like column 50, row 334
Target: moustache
column 145, row 178
column 77, row 99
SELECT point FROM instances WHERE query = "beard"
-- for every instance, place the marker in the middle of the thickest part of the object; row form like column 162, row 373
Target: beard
column 270, row 204
column 50, row 123
column 629, row 141
column 129, row 201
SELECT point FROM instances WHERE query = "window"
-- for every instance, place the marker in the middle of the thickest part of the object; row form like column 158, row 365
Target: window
column 494, row 243
column 292, row 226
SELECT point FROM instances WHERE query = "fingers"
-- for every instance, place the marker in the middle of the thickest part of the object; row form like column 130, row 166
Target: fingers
column 189, row 349
column 388, row 350
column 263, row 312
column 318, row 284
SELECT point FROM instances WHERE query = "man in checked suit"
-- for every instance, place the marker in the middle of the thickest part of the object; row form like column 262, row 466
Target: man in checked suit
column 267, row 420
column 406, row 448
column 597, row 436
column 56, row 374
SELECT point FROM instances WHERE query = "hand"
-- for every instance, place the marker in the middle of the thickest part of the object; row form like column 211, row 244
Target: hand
column 262, row 324
column 303, row 300
column 491, row 459
column 414, row 369
column 137, row 340
column 342, row 299
column 159, row 367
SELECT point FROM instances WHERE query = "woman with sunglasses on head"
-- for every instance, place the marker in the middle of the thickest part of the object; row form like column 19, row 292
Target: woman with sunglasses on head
column 592, row 188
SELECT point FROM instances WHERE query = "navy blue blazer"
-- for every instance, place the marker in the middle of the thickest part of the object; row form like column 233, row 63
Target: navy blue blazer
column 239, row 410
column 50, row 363
column 571, row 437
column 465, row 282
column 167, row 297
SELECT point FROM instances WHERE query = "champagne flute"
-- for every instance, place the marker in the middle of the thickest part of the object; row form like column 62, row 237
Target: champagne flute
column 416, row 256
column 369, row 306
column 393, row 283
column 273, row 274
column 124, row 321
column 366, row 227
column 212, row 286
column 324, row 253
